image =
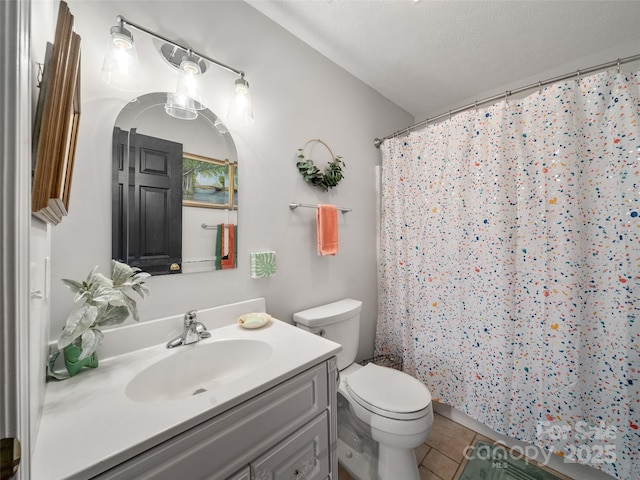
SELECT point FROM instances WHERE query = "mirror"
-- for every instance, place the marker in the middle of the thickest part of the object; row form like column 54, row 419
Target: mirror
column 174, row 182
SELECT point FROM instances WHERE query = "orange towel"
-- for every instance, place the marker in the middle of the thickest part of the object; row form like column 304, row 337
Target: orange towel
column 230, row 260
column 327, row 219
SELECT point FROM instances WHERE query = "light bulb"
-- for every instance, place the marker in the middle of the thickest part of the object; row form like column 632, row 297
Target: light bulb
column 189, row 81
column 240, row 109
column 121, row 68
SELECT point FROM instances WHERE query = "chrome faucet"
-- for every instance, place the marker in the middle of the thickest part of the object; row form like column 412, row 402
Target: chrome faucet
column 193, row 332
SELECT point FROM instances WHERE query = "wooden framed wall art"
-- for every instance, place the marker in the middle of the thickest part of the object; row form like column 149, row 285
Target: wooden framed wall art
column 57, row 121
column 208, row 182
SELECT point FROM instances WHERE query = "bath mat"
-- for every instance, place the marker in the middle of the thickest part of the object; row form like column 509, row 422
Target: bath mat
column 493, row 462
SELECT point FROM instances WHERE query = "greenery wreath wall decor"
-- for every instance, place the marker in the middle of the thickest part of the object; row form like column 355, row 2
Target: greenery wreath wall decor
column 312, row 174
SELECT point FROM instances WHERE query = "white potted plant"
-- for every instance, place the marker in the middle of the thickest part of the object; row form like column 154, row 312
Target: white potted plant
column 100, row 302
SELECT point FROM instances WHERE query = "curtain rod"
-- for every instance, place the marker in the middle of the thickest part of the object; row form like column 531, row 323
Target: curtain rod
column 620, row 61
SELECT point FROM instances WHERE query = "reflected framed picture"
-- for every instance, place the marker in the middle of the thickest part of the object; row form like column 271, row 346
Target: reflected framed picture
column 57, row 120
column 208, row 182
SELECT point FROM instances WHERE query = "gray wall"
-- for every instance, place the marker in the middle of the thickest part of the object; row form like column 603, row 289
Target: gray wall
column 298, row 95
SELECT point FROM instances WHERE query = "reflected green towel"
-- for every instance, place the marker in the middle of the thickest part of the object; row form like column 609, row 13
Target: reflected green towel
column 219, row 232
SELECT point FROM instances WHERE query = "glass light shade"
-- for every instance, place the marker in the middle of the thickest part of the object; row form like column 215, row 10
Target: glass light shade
column 240, row 109
column 121, row 68
column 189, row 81
column 180, row 107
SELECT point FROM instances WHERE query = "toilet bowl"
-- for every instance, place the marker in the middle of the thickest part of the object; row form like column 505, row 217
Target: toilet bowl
column 391, row 408
column 383, row 414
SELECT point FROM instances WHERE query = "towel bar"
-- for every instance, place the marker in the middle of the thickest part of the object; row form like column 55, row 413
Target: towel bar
column 294, row 205
column 211, row 227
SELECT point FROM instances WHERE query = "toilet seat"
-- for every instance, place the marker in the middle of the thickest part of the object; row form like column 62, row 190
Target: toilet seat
column 388, row 392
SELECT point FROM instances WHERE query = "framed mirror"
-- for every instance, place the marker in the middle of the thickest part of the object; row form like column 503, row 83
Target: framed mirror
column 174, row 189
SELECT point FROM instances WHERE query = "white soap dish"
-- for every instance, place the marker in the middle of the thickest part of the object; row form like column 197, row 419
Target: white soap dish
column 254, row 320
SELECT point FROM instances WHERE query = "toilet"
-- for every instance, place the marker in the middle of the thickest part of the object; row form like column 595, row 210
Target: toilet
column 383, row 414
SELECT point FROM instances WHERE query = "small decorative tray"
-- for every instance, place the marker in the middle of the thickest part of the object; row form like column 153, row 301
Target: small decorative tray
column 254, row 320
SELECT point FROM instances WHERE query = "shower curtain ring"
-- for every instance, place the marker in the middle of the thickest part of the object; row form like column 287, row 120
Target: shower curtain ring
column 539, row 87
column 618, row 63
column 579, row 78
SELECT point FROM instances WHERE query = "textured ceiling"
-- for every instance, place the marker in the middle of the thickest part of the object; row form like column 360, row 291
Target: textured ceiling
column 430, row 57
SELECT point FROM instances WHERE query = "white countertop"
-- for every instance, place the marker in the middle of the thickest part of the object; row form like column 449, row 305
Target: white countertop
column 89, row 425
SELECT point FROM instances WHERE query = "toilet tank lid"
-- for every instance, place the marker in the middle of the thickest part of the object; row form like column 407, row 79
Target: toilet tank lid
column 329, row 313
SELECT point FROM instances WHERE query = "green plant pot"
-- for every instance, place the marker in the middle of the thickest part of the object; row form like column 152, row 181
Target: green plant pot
column 71, row 356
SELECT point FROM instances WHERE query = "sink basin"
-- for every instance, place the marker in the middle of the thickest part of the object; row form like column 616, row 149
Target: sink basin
column 198, row 368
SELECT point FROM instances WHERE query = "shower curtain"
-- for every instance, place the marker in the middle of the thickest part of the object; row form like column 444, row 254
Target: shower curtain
column 510, row 266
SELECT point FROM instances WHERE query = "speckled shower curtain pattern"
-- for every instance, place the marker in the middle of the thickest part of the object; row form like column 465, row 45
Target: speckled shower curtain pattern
column 510, row 266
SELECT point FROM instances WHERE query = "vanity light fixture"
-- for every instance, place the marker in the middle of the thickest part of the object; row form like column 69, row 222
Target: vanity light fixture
column 240, row 110
column 189, row 81
column 184, row 103
column 187, row 99
column 121, row 67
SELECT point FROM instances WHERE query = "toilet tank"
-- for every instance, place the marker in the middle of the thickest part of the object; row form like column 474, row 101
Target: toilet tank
column 338, row 321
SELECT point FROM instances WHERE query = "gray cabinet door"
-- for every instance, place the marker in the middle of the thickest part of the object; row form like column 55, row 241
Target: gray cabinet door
column 302, row 456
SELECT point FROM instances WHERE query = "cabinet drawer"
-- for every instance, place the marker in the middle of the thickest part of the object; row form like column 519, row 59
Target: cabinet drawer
column 221, row 446
column 304, row 455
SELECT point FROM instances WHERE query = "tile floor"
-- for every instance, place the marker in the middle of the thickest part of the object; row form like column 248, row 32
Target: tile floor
column 441, row 457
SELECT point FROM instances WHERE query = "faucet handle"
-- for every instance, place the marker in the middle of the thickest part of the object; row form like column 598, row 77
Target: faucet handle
column 190, row 317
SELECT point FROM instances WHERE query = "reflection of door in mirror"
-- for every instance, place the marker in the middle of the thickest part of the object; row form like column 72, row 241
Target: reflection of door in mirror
column 147, row 202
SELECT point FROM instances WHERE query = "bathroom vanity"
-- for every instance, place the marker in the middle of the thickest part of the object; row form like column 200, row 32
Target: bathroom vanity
column 243, row 404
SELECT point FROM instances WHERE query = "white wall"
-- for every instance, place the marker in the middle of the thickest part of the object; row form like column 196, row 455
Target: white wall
column 43, row 20
column 298, row 95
